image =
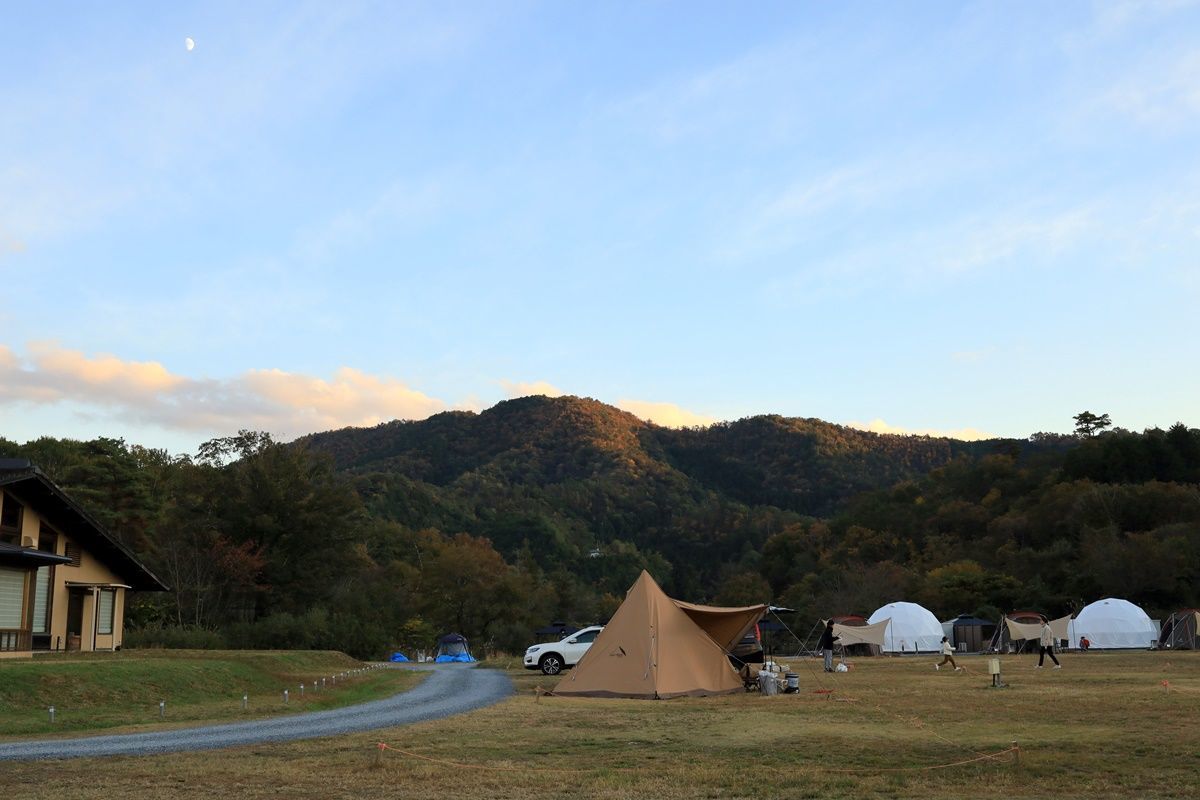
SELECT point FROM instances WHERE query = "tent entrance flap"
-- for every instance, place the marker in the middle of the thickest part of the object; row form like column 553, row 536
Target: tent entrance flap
column 725, row 626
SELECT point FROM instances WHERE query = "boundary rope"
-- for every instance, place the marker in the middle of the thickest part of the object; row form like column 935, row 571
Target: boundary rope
column 1014, row 750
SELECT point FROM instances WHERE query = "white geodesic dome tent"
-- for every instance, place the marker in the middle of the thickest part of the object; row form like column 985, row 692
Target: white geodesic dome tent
column 1113, row 624
column 913, row 628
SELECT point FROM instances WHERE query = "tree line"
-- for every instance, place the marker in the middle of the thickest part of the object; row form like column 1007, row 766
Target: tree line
column 547, row 510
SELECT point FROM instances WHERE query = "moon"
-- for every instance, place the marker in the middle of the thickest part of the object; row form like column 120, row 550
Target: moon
column 189, row 43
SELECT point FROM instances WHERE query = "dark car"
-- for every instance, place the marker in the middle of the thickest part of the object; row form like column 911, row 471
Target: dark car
column 749, row 650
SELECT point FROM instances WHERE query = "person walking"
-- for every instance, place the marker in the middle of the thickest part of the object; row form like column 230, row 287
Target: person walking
column 825, row 645
column 947, row 656
column 1047, row 646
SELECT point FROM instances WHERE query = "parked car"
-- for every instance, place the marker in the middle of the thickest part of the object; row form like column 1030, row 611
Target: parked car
column 553, row 657
column 749, row 650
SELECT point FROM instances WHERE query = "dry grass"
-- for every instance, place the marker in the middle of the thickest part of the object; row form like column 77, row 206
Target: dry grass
column 116, row 691
column 1103, row 726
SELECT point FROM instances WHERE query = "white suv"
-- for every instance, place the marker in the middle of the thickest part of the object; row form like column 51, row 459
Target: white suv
column 553, row 657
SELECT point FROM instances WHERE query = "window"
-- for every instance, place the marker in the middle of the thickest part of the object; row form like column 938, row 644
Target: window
column 12, row 597
column 71, row 551
column 584, row 638
column 108, row 604
column 41, row 601
column 10, row 519
column 47, row 539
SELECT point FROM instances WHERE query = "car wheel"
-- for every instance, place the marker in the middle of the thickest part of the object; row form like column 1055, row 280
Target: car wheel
column 551, row 664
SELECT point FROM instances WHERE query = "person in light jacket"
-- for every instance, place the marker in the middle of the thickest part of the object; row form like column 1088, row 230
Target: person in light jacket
column 825, row 645
column 947, row 656
column 1047, row 646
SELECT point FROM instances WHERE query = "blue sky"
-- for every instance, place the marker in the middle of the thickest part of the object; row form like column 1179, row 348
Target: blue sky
column 955, row 217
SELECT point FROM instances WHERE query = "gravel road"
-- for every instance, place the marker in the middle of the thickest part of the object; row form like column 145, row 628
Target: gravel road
column 450, row 689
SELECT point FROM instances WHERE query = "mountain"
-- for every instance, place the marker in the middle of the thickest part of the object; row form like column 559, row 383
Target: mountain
column 807, row 466
column 569, row 476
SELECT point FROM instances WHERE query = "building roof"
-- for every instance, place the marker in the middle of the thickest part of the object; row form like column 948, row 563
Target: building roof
column 27, row 556
column 31, row 486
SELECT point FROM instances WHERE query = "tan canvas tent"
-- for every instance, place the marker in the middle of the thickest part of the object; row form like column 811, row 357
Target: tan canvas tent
column 656, row 648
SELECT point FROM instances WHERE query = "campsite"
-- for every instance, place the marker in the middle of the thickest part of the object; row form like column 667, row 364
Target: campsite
column 657, row 706
column 1105, row 726
column 521, row 399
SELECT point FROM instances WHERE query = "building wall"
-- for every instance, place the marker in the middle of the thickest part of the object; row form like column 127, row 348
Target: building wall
column 90, row 570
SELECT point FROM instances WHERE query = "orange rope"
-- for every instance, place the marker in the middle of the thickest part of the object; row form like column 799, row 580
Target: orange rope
column 386, row 746
column 982, row 757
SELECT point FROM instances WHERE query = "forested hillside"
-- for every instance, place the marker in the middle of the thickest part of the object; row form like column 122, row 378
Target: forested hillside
column 494, row 523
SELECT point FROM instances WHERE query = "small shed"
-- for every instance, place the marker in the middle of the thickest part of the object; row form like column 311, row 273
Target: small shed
column 971, row 634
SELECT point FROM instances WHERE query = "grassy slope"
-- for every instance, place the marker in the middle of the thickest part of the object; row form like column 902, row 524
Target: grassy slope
column 1104, row 726
column 116, row 690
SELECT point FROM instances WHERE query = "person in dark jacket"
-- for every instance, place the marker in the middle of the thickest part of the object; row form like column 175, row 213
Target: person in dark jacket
column 1046, row 640
column 825, row 645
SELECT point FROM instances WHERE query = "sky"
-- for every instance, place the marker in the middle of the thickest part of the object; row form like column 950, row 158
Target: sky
column 956, row 218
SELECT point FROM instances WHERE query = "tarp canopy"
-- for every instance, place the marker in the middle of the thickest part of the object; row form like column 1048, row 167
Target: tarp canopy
column 1113, row 623
column 726, row 626
column 1033, row 630
column 861, row 634
column 914, row 628
column 653, row 648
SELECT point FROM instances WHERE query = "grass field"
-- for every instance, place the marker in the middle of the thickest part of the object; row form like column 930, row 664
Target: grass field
column 112, row 691
column 1103, row 726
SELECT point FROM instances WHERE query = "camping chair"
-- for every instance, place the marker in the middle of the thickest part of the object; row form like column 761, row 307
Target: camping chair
column 749, row 675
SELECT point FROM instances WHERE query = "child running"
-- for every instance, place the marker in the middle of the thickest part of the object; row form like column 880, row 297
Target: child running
column 947, row 656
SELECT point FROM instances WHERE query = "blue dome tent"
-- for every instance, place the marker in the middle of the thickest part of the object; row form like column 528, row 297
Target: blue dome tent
column 453, row 648
column 398, row 657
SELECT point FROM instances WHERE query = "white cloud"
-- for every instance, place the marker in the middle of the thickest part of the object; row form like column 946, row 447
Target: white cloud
column 879, row 426
column 287, row 404
column 519, row 389
column 668, row 415
column 1164, row 97
column 988, row 242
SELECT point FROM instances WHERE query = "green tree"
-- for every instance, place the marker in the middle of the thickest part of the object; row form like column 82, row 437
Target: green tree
column 1088, row 424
